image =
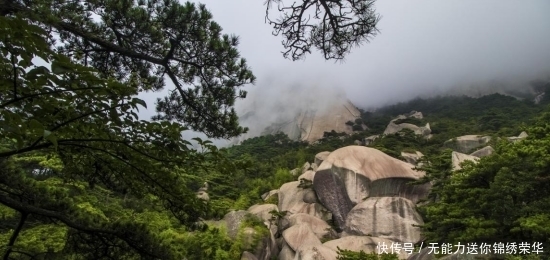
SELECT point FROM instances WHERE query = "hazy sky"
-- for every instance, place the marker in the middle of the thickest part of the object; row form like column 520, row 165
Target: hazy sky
column 422, row 45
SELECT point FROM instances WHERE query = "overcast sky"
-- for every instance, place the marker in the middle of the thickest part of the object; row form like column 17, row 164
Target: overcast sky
column 422, row 46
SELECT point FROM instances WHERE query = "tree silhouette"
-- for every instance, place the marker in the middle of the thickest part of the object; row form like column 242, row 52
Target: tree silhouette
column 342, row 24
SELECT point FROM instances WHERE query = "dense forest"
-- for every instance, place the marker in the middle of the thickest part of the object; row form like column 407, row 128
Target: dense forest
column 239, row 175
column 449, row 117
column 503, row 198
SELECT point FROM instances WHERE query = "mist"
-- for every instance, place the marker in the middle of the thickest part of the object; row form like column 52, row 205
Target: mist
column 424, row 48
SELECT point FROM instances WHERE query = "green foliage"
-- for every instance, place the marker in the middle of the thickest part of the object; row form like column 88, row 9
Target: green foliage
column 7, row 213
column 244, row 240
column 404, row 140
column 377, row 121
column 505, row 197
column 39, row 239
column 264, row 147
column 253, row 188
column 219, row 207
column 75, row 161
column 452, row 116
column 276, row 215
column 211, row 244
column 244, row 201
column 274, row 199
column 357, row 128
column 344, row 254
column 448, row 117
column 524, row 257
column 82, row 178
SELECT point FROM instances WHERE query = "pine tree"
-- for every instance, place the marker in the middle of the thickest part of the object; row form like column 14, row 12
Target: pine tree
column 74, row 158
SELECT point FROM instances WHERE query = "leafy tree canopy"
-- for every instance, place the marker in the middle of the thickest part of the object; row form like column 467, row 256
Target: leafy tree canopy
column 72, row 122
column 71, row 72
column 139, row 43
column 503, row 198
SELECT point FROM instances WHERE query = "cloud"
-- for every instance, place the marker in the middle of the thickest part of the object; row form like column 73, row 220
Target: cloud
column 424, row 47
column 422, row 44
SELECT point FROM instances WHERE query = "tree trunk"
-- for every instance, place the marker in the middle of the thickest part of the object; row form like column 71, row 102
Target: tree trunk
column 15, row 235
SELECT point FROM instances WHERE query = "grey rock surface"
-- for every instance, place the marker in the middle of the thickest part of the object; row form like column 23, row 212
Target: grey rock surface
column 332, row 194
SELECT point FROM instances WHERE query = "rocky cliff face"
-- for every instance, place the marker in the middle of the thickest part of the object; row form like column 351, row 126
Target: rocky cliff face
column 304, row 120
column 360, row 190
column 310, row 124
column 354, row 198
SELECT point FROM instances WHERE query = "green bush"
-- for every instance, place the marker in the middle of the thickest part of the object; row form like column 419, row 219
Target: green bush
column 344, row 254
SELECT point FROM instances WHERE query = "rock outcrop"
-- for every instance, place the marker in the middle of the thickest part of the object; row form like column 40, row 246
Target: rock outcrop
column 308, row 175
column 264, row 212
column 392, row 218
column 412, row 158
column 353, row 198
column 520, row 137
column 296, row 171
column 286, row 253
column 302, row 239
column 333, row 195
column 359, row 166
column 311, row 124
column 466, row 143
column 233, row 221
column 320, row 157
column 203, row 192
column 459, row 158
column 306, row 167
column 353, row 173
column 269, row 194
column 264, row 247
column 319, row 227
column 415, row 114
column 260, row 246
column 298, row 236
column 319, row 252
column 424, row 254
column 394, row 127
column 399, row 187
column 248, row 256
column 294, row 199
column 485, row 151
column 539, row 98
column 363, row 191
column 314, row 166
column 369, row 140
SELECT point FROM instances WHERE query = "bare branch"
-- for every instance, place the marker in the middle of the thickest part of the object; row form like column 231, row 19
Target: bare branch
column 15, row 234
column 342, row 24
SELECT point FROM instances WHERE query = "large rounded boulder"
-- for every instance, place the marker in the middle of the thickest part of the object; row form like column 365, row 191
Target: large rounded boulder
column 353, row 173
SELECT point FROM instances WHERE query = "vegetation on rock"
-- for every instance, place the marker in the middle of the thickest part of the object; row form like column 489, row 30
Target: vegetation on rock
column 502, row 199
column 344, row 254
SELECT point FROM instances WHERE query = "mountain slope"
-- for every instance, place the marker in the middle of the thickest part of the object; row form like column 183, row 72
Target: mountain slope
column 311, row 124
